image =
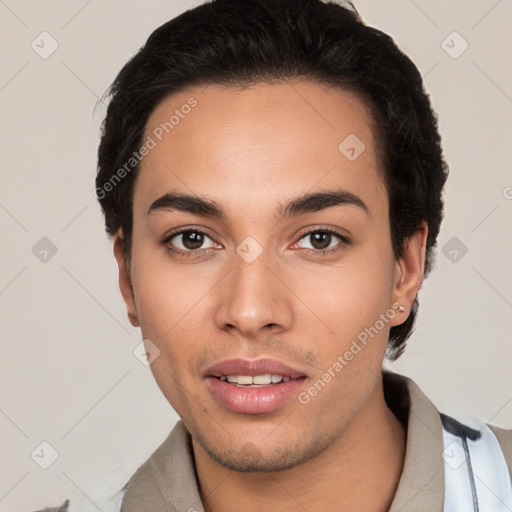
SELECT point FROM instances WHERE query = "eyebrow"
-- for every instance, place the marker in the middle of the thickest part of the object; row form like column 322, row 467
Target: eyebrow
column 307, row 203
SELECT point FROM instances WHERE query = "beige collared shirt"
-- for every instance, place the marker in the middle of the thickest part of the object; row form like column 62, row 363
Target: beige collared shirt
column 167, row 480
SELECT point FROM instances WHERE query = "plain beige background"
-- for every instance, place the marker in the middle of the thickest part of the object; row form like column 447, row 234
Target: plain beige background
column 68, row 373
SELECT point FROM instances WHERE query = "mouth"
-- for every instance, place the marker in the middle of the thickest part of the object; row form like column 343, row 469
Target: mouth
column 253, row 386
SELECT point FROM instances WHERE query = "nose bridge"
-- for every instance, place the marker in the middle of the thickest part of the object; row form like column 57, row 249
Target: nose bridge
column 253, row 297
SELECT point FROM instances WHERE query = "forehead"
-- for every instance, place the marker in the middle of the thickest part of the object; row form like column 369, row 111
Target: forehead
column 259, row 143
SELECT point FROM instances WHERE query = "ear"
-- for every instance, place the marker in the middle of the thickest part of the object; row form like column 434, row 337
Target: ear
column 409, row 273
column 125, row 282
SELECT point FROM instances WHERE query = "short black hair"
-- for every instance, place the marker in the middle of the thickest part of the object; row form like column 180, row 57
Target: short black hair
column 240, row 42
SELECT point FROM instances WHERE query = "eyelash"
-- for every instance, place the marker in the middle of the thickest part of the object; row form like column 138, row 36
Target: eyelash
column 194, row 253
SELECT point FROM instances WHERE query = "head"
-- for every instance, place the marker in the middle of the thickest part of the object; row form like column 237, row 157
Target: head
column 271, row 174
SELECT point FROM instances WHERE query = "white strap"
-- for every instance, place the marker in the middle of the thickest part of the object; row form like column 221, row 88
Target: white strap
column 476, row 474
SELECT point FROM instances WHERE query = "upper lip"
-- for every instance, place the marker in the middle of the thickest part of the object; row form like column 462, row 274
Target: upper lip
column 252, row 367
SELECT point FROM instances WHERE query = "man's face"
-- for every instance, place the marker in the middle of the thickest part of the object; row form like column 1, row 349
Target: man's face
column 258, row 292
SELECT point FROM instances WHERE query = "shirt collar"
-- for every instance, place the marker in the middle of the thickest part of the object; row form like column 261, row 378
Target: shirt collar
column 421, row 485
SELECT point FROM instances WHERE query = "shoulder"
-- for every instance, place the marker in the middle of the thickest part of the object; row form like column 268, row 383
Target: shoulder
column 107, row 496
column 62, row 508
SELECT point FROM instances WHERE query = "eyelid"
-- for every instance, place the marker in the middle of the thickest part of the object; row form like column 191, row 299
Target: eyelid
column 325, row 229
column 181, row 230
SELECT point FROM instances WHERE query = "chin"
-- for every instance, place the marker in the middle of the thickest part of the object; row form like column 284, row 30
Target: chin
column 248, row 458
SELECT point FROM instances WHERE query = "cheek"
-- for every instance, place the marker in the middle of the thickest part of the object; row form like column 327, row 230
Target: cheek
column 354, row 304
column 169, row 299
column 162, row 287
column 350, row 296
column 169, row 305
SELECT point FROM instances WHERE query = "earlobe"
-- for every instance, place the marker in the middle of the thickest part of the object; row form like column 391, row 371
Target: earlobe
column 125, row 280
column 409, row 272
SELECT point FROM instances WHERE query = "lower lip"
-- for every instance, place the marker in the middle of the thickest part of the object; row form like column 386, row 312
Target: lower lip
column 253, row 400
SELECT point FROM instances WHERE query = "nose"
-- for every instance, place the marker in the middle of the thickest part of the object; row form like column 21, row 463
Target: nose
column 253, row 299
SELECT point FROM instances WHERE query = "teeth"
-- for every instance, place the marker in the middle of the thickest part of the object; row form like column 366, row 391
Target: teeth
column 247, row 380
column 262, row 379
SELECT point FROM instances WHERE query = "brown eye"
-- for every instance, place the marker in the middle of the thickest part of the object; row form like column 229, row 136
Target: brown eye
column 320, row 239
column 189, row 240
column 192, row 240
column 323, row 241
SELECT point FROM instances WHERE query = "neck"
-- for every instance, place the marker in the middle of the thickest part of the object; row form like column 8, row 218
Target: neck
column 359, row 472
